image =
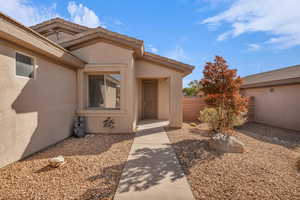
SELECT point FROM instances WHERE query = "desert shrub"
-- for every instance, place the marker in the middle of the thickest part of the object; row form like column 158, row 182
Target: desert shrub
column 236, row 119
column 213, row 118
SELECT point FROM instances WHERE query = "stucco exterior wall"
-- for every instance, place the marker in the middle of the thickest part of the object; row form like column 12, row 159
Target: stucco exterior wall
column 280, row 107
column 164, row 98
column 104, row 58
column 34, row 113
column 102, row 52
column 169, row 89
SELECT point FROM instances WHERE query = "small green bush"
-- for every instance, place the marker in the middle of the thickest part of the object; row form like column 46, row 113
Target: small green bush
column 211, row 116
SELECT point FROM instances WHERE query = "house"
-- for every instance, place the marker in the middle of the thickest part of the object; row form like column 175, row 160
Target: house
column 276, row 96
column 55, row 70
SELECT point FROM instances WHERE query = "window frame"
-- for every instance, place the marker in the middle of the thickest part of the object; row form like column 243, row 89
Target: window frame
column 104, row 80
column 33, row 65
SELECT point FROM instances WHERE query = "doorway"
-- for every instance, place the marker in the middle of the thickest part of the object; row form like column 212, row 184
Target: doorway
column 149, row 99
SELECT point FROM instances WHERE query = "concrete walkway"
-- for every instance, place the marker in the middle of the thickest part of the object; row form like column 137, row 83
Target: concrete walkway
column 152, row 171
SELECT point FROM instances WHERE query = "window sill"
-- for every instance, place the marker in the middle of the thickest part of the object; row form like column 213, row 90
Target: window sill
column 104, row 109
column 24, row 77
column 100, row 112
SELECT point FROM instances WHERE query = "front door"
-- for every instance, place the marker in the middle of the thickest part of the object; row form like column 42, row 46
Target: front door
column 149, row 99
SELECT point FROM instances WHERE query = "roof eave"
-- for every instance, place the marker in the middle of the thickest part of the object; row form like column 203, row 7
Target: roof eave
column 173, row 64
column 97, row 34
column 290, row 81
column 19, row 34
column 58, row 22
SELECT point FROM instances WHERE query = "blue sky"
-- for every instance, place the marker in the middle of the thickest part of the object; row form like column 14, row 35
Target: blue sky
column 252, row 35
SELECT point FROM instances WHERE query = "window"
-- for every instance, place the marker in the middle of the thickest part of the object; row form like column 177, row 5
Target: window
column 104, row 91
column 24, row 65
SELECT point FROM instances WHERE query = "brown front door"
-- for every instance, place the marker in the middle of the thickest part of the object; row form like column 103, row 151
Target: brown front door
column 149, row 99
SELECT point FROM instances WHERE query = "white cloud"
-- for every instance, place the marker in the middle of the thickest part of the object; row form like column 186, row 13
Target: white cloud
column 177, row 54
column 152, row 48
column 281, row 20
column 27, row 12
column 253, row 47
column 82, row 15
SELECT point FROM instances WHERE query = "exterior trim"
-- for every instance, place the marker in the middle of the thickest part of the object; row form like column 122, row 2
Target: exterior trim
column 282, row 76
column 291, row 81
column 19, row 34
column 173, row 64
column 100, row 69
column 94, row 35
column 34, row 65
column 60, row 23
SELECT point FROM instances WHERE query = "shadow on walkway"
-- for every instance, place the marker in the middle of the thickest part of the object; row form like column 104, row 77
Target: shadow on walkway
column 137, row 178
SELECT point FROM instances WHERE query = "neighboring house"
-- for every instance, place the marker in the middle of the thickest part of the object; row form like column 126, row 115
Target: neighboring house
column 276, row 96
column 54, row 70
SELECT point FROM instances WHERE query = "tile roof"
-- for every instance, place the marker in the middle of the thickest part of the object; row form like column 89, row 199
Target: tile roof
column 34, row 38
column 84, row 34
column 59, row 21
column 287, row 75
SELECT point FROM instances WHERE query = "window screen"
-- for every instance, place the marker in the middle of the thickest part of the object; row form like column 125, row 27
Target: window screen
column 104, row 91
column 24, row 65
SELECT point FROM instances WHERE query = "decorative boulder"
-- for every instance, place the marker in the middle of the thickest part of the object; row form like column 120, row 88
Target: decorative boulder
column 56, row 161
column 226, row 143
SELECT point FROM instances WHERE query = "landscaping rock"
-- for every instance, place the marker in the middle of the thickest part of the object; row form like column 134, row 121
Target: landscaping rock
column 56, row 161
column 298, row 163
column 193, row 124
column 226, row 143
column 89, row 135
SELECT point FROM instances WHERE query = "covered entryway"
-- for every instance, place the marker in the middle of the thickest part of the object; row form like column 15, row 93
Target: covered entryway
column 153, row 99
column 159, row 91
column 150, row 99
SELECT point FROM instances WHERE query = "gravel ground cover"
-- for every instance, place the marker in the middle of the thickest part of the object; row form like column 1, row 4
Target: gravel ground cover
column 267, row 170
column 92, row 170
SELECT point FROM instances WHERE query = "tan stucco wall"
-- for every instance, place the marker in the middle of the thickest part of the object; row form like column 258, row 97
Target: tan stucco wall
column 163, row 98
column 34, row 113
column 104, row 53
column 279, row 108
column 169, row 90
column 104, row 58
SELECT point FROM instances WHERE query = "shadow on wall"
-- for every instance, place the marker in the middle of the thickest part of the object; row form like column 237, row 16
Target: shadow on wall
column 45, row 108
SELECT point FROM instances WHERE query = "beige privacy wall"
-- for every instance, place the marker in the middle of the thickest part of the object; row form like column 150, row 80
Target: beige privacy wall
column 192, row 107
column 34, row 113
column 278, row 106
